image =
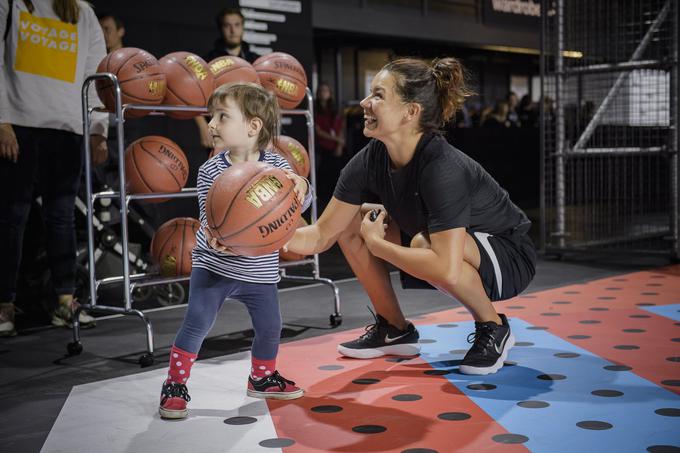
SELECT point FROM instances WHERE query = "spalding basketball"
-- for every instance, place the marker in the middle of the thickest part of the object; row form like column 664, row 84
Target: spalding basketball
column 284, row 76
column 141, row 79
column 189, row 81
column 230, row 69
column 293, row 151
column 155, row 164
column 292, row 256
column 252, row 208
column 172, row 244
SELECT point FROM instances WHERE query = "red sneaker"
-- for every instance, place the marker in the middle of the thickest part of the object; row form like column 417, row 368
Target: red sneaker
column 174, row 399
column 274, row 387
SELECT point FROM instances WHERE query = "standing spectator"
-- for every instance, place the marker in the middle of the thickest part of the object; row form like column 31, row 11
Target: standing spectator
column 527, row 112
column 498, row 117
column 41, row 129
column 512, row 100
column 330, row 140
column 114, row 31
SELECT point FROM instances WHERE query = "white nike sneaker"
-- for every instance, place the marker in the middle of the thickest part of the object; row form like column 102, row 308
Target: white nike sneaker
column 382, row 339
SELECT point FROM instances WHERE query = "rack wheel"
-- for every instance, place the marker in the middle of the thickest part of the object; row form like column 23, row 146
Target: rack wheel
column 146, row 360
column 336, row 320
column 74, row 348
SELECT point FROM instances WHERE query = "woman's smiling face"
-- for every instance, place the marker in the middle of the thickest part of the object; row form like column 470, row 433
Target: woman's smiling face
column 383, row 108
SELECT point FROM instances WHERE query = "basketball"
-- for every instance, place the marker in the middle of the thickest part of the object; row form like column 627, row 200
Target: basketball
column 232, row 69
column 155, row 164
column 293, row 151
column 283, row 75
column 172, row 244
column 189, row 82
column 292, row 256
column 141, row 79
column 252, row 208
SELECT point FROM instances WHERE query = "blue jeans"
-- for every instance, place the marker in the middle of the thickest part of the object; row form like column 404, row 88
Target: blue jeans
column 50, row 161
column 207, row 292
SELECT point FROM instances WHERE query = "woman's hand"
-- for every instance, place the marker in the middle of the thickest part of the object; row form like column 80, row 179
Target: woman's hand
column 373, row 226
column 9, row 147
column 212, row 242
column 301, row 185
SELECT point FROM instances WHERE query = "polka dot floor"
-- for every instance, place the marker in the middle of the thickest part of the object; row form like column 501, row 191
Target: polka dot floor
column 596, row 367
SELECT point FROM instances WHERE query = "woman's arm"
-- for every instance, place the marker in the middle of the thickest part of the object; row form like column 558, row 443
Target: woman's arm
column 442, row 262
column 323, row 234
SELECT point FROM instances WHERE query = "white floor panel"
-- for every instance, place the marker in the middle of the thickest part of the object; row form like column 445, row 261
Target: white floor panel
column 121, row 414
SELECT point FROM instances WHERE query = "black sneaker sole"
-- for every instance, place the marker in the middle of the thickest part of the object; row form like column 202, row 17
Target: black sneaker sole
column 406, row 349
column 480, row 371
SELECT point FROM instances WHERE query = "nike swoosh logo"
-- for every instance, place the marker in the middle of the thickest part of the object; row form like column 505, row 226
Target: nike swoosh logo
column 495, row 346
column 392, row 340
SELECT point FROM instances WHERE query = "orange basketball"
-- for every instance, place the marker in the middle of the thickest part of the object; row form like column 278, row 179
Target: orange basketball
column 189, row 80
column 172, row 244
column 155, row 164
column 291, row 256
column 283, row 75
column 293, row 151
column 141, row 79
column 252, row 208
column 232, row 69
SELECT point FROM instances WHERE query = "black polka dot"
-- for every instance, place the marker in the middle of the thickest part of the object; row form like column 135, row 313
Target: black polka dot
column 634, row 330
column 677, row 340
column 617, row 368
column 369, row 429
column 561, row 302
column 640, row 316
column 671, row 382
column 436, row 372
column 599, row 309
column 567, row 355
column 528, row 296
column 331, row 367
column 590, row 321
column 365, row 381
column 645, row 304
column 551, row 377
column 649, row 294
column 594, row 425
column 668, row 412
column 524, row 343
column 654, row 284
column 481, row 386
column 426, row 341
column 419, row 450
column 550, row 313
column 509, row 363
column 620, row 279
column 240, row 420
column 417, row 317
column 533, row 404
column 407, row 397
column 677, row 323
column 396, row 359
column 606, row 298
column 673, row 359
column 510, row 438
column 537, row 328
column 579, row 337
column 326, row 409
column 447, row 325
column 462, row 312
column 458, row 351
column 663, row 449
column 279, row 442
column 606, row 393
column 454, row 416
column 613, row 288
column 572, row 292
column 657, row 276
column 515, row 307
column 626, row 347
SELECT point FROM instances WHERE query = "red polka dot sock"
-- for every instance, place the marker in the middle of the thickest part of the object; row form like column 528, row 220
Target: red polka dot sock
column 180, row 365
column 262, row 368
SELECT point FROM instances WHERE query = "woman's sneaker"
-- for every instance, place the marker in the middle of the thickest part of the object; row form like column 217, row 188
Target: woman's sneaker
column 491, row 344
column 63, row 316
column 382, row 338
column 274, row 387
column 7, row 320
column 174, row 399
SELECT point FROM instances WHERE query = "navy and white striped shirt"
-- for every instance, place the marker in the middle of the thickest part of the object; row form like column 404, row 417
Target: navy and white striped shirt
column 257, row 269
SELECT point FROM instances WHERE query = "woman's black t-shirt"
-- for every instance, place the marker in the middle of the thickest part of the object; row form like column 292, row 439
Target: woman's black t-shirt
column 439, row 189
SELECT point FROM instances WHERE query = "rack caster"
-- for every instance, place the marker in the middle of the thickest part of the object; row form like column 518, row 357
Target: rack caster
column 146, row 360
column 74, row 348
column 336, row 320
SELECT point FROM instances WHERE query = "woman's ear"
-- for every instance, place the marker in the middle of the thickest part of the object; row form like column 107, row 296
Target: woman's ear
column 413, row 110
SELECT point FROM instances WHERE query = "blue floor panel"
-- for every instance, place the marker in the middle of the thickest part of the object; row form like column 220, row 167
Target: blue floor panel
column 669, row 311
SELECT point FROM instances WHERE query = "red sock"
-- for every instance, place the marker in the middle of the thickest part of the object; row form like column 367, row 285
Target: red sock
column 180, row 365
column 262, row 368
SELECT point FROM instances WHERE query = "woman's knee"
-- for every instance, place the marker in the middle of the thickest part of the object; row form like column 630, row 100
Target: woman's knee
column 421, row 241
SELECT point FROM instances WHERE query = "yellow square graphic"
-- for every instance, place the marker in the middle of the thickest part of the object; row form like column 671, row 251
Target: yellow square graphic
column 47, row 47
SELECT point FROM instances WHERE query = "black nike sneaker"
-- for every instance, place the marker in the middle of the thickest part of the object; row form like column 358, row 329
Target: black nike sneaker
column 491, row 344
column 381, row 339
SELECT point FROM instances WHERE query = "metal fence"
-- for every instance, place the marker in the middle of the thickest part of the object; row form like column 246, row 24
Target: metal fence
column 609, row 139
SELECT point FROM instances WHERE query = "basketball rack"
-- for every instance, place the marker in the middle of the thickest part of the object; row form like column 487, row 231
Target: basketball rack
column 132, row 281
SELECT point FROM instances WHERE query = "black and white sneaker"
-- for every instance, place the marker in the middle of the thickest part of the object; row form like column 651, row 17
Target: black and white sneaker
column 382, row 339
column 491, row 344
